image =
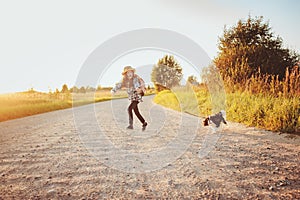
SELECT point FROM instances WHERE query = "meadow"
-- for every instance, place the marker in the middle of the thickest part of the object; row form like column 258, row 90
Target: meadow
column 22, row 104
column 254, row 104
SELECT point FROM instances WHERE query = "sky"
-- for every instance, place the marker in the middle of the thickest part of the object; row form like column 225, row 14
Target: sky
column 43, row 44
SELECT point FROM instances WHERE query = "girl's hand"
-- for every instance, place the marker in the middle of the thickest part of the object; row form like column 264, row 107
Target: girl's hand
column 140, row 91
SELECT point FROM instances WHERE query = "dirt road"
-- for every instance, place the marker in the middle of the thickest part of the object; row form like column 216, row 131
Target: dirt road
column 87, row 153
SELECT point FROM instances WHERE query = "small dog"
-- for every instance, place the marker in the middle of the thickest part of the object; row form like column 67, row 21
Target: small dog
column 215, row 119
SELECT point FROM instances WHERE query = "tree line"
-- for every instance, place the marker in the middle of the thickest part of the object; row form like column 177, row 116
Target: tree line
column 250, row 58
column 82, row 89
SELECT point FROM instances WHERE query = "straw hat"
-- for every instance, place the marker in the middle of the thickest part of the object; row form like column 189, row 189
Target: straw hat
column 126, row 69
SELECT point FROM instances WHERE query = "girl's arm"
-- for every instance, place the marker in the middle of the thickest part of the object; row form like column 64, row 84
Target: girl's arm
column 117, row 87
column 142, row 84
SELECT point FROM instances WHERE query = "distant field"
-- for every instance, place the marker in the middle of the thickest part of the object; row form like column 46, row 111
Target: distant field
column 23, row 104
column 260, row 110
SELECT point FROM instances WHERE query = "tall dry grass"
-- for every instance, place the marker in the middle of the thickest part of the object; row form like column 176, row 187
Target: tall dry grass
column 28, row 103
column 264, row 111
column 268, row 84
column 22, row 104
column 263, row 101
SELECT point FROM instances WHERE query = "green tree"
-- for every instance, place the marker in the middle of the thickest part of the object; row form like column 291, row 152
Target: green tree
column 90, row 89
column 65, row 89
column 82, row 90
column 74, row 89
column 249, row 48
column 213, row 81
column 166, row 74
column 99, row 88
column 192, row 80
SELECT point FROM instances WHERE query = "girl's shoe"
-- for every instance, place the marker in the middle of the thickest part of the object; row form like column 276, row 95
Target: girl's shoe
column 144, row 126
column 130, row 127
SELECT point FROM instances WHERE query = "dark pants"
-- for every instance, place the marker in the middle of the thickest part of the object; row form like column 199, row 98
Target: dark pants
column 134, row 106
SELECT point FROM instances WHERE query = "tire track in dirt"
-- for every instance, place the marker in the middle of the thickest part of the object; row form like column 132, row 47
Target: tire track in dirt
column 42, row 157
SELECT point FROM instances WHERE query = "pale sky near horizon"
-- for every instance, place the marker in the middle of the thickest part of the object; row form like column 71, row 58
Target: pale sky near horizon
column 43, row 44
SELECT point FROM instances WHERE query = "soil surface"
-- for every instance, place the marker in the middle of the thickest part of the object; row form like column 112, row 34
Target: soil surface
column 87, row 153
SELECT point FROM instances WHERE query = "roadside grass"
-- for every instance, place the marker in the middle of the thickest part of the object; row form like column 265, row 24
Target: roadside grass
column 185, row 99
column 21, row 104
column 281, row 113
column 181, row 99
column 265, row 111
column 259, row 110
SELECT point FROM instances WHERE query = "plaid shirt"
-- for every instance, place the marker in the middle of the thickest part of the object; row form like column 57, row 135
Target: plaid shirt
column 134, row 96
column 137, row 82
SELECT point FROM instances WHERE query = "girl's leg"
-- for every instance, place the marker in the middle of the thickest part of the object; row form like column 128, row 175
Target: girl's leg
column 130, row 115
column 137, row 112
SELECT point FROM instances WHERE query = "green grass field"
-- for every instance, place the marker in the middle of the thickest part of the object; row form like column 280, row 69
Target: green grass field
column 260, row 110
column 22, row 104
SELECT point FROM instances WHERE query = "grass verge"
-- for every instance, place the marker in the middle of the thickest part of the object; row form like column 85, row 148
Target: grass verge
column 22, row 104
column 259, row 110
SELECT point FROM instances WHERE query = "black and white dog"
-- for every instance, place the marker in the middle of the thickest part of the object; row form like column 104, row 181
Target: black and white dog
column 215, row 119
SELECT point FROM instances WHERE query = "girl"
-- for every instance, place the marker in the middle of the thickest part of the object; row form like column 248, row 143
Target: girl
column 135, row 88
